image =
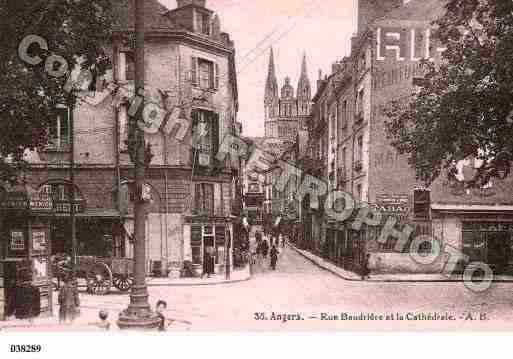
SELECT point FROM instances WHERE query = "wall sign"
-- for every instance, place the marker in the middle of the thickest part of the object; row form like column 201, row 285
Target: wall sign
column 39, row 242
column 412, row 44
column 392, row 203
column 17, row 242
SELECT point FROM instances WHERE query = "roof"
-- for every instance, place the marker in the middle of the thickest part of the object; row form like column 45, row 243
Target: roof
column 417, row 10
column 155, row 15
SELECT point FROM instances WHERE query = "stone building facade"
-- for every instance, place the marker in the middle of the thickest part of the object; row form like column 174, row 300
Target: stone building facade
column 358, row 158
column 191, row 85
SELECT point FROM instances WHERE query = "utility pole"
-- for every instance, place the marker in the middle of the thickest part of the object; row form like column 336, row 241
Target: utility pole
column 139, row 315
column 71, row 197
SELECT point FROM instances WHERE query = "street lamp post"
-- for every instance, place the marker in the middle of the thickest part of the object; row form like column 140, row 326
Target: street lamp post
column 139, row 315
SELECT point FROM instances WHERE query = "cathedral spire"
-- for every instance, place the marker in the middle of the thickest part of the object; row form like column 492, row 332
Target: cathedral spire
column 304, row 72
column 271, row 85
column 303, row 87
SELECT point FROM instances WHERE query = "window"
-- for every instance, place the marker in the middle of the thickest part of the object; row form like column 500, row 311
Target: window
column 59, row 131
column 126, row 66
column 359, row 104
column 58, row 192
column 205, row 73
column 205, row 138
column 343, row 114
column 205, row 24
column 123, row 128
column 421, row 204
column 359, row 149
column 204, row 198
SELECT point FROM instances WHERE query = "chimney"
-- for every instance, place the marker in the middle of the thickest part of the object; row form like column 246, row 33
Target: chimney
column 182, row 3
column 370, row 10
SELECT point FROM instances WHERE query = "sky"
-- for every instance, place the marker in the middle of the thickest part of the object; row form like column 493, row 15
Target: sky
column 320, row 28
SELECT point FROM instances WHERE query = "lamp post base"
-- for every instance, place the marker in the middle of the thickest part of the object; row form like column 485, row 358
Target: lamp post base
column 140, row 320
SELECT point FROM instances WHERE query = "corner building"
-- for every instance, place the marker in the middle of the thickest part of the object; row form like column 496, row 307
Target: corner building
column 195, row 200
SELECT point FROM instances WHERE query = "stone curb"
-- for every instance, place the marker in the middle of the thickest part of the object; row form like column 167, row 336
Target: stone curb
column 319, row 262
column 178, row 284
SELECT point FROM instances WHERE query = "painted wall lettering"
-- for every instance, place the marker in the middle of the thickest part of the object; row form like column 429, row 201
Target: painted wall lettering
column 413, row 44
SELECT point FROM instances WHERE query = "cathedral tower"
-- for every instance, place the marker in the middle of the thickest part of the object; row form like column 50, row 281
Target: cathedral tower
column 271, row 90
column 304, row 92
column 286, row 111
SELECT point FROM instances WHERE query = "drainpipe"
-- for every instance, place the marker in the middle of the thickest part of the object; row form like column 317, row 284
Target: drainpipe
column 117, row 138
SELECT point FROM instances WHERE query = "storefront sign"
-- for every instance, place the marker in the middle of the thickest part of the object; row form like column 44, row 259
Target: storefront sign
column 20, row 201
column 392, row 203
column 17, row 242
column 487, row 226
column 65, row 206
column 40, row 205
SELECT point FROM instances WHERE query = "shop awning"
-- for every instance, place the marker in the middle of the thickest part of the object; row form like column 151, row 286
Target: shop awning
column 471, row 207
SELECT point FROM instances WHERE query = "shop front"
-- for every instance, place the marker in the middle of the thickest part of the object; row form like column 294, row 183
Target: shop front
column 209, row 247
column 489, row 242
column 25, row 267
column 99, row 232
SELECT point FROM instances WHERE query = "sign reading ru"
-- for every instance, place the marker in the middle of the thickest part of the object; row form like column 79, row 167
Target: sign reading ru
column 410, row 44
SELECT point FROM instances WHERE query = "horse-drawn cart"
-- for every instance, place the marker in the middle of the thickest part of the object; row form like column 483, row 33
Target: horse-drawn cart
column 101, row 273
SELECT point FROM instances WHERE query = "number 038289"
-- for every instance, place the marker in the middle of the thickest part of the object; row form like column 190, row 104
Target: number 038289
column 25, row 348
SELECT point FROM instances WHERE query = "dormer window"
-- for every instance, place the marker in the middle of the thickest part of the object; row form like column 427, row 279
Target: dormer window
column 204, row 23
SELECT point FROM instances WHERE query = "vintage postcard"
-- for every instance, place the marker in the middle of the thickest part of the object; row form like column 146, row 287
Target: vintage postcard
column 280, row 166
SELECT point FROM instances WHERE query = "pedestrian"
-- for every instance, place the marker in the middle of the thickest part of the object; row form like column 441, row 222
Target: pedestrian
column 104, row 322
column 265, row 248
column 274, row 257
column 160, row 310
column 208, row 265
column 69, row 301
column 365, row 267
column 282, row 240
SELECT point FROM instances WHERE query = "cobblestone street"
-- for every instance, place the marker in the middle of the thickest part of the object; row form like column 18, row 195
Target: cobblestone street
column 298, row 286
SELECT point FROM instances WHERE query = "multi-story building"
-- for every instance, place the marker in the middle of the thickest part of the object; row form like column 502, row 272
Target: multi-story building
column 286, row 112
column 385, row 67
column 190, row 78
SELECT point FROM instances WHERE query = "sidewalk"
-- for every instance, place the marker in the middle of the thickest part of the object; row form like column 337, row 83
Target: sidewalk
column 237, row 275
column 114, row 303
column 399, row 277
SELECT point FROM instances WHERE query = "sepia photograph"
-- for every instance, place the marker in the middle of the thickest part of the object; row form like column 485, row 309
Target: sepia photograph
column 255, row 166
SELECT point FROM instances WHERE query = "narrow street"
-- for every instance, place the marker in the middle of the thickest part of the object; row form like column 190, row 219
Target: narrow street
column 298, row 286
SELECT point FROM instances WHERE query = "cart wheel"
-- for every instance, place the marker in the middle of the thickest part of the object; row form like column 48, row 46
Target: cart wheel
column 99, row 279
column 123, row 282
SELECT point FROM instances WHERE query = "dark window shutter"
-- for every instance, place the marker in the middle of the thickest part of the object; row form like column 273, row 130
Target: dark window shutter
column 194, row 70
column 216, row 76
column 198, row 198
column 215, row 136
column 421, row 204
column 195, row 121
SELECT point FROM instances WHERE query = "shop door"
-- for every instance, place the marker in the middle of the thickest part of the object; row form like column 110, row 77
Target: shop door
column 497, row 251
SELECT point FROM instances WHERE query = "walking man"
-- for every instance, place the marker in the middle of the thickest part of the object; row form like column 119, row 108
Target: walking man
column 274, row 257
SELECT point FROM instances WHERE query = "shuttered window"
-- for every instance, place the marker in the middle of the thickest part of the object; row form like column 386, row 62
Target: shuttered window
column 204, row 73
column 205, row 138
